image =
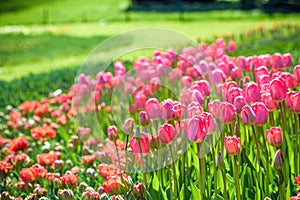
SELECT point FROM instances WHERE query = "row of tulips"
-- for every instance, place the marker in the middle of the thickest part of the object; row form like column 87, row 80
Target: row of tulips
column 229, row 129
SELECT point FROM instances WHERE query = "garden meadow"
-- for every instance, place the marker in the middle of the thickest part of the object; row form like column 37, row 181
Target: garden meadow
column 233, row 132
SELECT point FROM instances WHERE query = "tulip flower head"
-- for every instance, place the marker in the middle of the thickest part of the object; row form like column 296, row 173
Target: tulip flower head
column 166, row 133
column 274, row 136
column 232, row 145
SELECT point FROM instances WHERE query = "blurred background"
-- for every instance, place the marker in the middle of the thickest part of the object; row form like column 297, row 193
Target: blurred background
column 51, row 38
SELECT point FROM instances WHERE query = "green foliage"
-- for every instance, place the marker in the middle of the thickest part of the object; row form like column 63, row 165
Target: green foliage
column 35, row 86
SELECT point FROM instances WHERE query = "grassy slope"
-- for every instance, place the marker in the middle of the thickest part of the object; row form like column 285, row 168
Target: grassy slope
column 38, row 48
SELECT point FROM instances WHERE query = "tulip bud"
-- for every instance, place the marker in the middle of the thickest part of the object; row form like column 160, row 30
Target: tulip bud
column 65, row 194
column 128, row 126
column 104, row 196
column 166, row 133
column 5, row 196
column 113, row 133
column 232, row 145
column 278, row 160
column 82, row 187
column 139, row 190
column 220, row 161
column 58, row 164
column 274, row 136
column 248, row 116
column 144, row 118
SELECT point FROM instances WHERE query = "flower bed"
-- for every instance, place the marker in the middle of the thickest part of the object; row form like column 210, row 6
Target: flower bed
column 198, row 124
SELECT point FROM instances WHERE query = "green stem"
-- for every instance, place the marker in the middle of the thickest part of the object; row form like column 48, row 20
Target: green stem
column 257, row 148
column 119, row 161
column 174, row 173
column 237, row 178
column 215, row 165
column 267, row 163
column 201, row 179
column 143, row 166
column 225, row 186
column 126, row 155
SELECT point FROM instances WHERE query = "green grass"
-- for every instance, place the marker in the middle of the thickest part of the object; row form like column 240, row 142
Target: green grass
column 35, row 49
column 75, row 28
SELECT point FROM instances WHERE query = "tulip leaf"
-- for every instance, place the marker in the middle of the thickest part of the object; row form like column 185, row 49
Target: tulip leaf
column 181, row 193
column 195, row 191
column 155, row 182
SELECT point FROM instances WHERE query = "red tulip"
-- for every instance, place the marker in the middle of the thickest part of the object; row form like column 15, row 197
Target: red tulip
column 232, row 145
column 248, row 116
column 166, row 133
column 261, row 112
column 227, row 113
column 113, row 133
column 196, row 130
column 69, row 180
column 274, row 136
column 139, row 190
column 144, row 118
column 298, row 180
column 137, row 142
column 277, row 90
column 251, row 92
column 153, row 108
column 46, row 159
column 118, row 184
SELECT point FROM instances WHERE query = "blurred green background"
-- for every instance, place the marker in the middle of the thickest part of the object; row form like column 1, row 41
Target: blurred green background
column 42, row 35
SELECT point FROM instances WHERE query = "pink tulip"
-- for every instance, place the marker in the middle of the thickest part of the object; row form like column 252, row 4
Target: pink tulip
column 144, row 118
column 261, row 112
column 197, row 96
column 269, row 102
column 248, row 116
column 296, row 103
column 239, row 102
column 194, row 109
column 288, row 99
column 167, row 109
column 278, row 160
column 232, row 145
column 177, row 110
column 140, row 100
column 153, row 108
column 231, row 46
column 251, row 92
column 166, row 133
column 210, row 122
column 236, row 73
column 216, row 76
column 203, row 86
column 274, row 136
column 113, row 133
column 277, row 90
column 196, row 130
column 139, row 142
column 297, row 73
column 227, row 113
column 128, row 126
column 214, row 108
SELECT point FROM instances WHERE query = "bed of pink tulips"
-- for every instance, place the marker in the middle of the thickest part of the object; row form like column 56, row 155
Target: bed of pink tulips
column 198, row 124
